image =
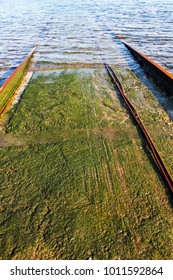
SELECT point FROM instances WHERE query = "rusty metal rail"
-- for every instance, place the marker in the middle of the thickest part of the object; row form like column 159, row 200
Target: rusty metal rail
column 159, row 73
column 162, row 167
column 9, row 87
column 156, row 156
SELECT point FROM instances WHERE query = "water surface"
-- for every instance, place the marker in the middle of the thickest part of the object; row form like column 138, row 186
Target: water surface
column 70, row 31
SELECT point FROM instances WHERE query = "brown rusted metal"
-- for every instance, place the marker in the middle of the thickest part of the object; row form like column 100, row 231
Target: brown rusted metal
column 12, row 76
column 18, row 67
column 159, row 73
column 162, row 167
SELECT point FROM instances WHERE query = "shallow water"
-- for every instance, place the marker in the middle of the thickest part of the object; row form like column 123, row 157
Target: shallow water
column 70, row 31
column 67, row 30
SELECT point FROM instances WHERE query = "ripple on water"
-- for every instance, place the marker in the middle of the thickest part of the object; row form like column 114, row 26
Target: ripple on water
column 68, row 31
column 62, row 29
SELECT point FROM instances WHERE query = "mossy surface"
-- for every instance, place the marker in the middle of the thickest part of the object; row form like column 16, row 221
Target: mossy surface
column 154, row 117
column 76, row 181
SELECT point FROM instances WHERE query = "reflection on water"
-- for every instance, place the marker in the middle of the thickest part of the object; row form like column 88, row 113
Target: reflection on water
column 67, row 30
column 62, row 29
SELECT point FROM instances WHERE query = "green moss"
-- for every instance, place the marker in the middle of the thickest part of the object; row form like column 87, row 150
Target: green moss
column 79, row 185
column 154, row 117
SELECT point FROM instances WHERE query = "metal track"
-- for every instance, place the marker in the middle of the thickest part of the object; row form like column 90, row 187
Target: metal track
column 160, row 164
column 162, row 168
column 160, row 74
column 4, row 88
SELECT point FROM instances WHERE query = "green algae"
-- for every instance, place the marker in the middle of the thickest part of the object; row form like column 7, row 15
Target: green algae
column 76, row 181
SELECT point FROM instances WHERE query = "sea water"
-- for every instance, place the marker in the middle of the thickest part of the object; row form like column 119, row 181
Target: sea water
column 70, row 31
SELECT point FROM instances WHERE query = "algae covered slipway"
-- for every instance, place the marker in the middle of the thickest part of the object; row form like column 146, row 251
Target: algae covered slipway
column 77, row 179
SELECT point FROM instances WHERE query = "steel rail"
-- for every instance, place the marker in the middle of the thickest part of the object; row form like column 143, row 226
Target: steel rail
column 5, row 85
column 162, row 167
column 27, row 57
column 156, row 156
column 158, row 72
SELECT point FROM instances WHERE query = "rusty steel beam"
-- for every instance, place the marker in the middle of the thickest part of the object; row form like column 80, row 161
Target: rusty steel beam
column 161, row 166
column 160, row 74
column 156, row 156
column 9, row 87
